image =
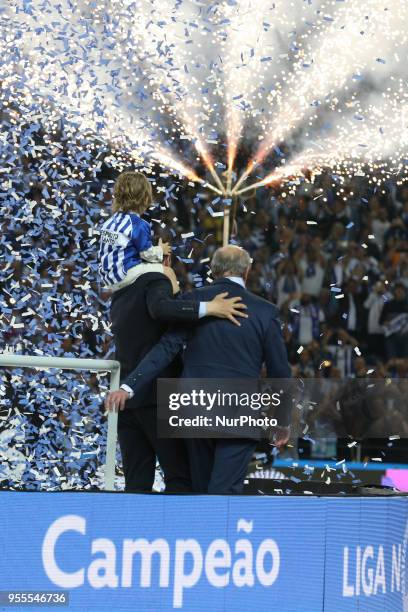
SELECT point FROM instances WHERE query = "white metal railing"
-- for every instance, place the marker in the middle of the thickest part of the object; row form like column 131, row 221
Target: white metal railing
column 92, row 365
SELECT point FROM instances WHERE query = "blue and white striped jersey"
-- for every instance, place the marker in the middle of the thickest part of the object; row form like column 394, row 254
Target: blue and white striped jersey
column 124, row 243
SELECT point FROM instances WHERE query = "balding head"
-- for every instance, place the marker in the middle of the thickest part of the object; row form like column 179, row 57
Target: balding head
column 230, row 260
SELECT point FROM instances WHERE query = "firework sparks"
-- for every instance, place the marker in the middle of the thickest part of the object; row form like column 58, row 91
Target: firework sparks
column 372, row 139
column 346, row 49
column 160, row 26
column 320, row 79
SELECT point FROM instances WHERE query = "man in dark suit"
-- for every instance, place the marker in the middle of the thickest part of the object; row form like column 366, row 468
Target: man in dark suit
column 140, row 314
column 217, row 349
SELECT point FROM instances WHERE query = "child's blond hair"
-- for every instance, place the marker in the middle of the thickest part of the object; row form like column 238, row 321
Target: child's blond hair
column 132, row 192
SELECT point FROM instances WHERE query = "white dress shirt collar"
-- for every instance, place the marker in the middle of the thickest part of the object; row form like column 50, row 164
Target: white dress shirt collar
column 236, row 279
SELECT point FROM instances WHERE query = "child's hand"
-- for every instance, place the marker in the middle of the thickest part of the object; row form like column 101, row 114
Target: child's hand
column 165, row 247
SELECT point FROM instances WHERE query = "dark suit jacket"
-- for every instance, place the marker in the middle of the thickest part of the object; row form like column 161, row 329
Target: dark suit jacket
column 140, row 315
column 215, row 348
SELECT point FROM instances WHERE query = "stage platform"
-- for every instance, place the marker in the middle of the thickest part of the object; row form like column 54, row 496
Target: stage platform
column 123, row 552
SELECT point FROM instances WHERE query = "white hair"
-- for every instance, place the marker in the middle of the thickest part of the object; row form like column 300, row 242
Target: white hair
column 230, row 261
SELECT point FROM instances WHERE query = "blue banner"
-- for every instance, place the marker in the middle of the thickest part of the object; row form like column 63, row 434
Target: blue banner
column 153, row 553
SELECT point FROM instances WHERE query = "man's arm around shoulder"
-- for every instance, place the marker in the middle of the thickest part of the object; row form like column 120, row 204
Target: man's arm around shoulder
column 156, row 360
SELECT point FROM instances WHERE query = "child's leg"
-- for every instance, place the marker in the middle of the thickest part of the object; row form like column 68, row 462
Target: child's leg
column 135, row 272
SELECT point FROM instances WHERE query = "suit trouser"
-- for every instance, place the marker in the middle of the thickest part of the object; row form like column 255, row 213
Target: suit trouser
column 139, row 447
column 219, row 466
